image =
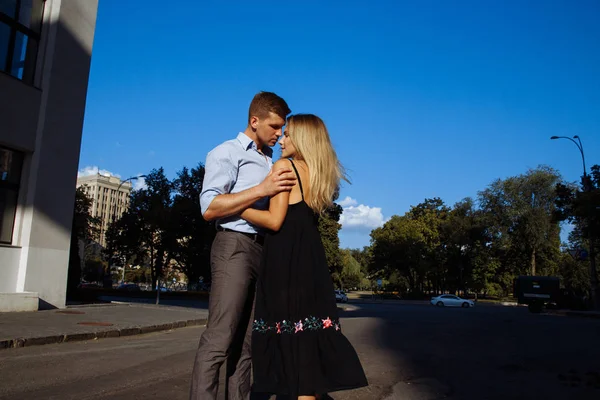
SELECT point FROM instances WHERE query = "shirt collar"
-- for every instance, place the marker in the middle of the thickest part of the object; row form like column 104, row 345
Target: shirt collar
column 248, row 143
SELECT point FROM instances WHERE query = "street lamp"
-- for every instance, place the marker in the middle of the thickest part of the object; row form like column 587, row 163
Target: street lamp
column 580, row 147
column 587, row 188
column 133, row 178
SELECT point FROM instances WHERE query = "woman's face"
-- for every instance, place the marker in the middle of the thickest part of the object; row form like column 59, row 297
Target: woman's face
column 287, row 147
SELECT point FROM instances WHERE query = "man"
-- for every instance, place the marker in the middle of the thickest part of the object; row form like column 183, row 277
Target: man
column 238, row 175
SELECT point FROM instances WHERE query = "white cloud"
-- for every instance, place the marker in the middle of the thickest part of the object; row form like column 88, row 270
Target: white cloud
column 139, row 184
column 360, row 217
column 151, row 153
column 94, row 170
column 347, row 202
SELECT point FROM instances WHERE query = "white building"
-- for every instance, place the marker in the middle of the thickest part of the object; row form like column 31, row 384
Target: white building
column 110, row 199
column 45, row 54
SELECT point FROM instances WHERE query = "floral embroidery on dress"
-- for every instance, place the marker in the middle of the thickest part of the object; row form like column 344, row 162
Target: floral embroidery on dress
column 287, row 327
column 307, row 324
column 260, row 326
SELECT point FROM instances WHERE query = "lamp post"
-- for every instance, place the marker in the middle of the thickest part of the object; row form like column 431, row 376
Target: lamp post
column 133, row 178
column 587, row 188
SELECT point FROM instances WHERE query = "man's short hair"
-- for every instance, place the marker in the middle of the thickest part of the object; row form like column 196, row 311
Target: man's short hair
column 265, row 102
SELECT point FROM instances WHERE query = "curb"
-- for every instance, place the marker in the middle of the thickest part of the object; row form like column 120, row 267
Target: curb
column 112, row 333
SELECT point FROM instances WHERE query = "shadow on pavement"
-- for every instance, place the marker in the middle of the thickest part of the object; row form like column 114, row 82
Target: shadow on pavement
column 485, row 352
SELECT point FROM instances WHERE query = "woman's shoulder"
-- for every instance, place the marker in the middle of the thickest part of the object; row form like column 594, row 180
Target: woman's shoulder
column 282, row 163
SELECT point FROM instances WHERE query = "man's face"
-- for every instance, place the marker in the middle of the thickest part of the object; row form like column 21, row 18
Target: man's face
column 269, row 129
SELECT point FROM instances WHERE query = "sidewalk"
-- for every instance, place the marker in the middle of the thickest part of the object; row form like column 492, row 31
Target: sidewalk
column 90, row 322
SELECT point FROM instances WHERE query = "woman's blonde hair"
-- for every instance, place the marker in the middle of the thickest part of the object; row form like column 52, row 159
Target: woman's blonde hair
column 311, row 140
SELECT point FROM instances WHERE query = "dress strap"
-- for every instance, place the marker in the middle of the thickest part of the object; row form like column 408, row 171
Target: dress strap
column 299, row 181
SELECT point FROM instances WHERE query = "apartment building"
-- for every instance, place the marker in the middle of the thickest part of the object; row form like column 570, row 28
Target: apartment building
column 110, row 199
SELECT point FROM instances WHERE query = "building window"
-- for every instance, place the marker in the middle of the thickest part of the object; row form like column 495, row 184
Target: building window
column 11, row 163
column 20, row 27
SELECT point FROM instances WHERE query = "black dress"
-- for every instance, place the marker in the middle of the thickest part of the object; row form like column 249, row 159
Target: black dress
column 297, row 343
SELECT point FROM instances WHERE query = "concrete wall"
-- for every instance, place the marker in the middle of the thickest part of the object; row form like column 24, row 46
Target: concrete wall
column 9, row 263
column 48, row 185
column 24, row 301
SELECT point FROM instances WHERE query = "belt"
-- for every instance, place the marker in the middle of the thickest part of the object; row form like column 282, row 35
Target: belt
column 260, row 239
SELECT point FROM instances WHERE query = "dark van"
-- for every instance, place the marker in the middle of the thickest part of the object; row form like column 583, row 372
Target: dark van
column 537, row 291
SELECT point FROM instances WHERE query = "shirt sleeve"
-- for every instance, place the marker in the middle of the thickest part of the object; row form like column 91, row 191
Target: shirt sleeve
column 220, row 175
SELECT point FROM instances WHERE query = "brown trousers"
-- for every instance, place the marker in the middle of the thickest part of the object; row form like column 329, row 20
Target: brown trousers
column 235, row 262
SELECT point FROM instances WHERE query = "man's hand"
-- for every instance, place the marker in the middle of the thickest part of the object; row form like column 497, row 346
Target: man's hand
column 280, row 180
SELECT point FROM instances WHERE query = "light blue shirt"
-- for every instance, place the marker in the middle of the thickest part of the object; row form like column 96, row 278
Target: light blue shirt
column 232, row 167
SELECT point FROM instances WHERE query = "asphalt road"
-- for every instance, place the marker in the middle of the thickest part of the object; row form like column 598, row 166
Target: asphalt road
column 409, row 352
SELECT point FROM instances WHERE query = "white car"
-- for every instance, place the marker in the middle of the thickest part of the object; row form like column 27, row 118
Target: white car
column 341, row 296
column 450, row 300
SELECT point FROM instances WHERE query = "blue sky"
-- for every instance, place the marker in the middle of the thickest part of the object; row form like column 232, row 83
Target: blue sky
column 422, row 99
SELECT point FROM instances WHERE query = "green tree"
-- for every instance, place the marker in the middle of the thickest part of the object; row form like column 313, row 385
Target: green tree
column 582, row 208
column 363, row 257
column 574, row 273
column 464, row 239
column 194, row 235
column 329, row 228
column 84, row 229
column 146, row 233
column 351, row 275
column 399, row 245
column 124, row 243
column 435, row 248
column 157, row 229
column 433, row 268
column 521, row 211
column 94, row 268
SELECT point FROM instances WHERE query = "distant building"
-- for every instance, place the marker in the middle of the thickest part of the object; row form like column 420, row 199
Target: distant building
column 110, row 199
column 45, row 55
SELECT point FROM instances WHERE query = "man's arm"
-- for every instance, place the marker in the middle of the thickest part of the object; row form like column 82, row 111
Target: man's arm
column 219, row 178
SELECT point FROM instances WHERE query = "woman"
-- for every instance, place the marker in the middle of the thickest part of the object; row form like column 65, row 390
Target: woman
column 297, row 344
